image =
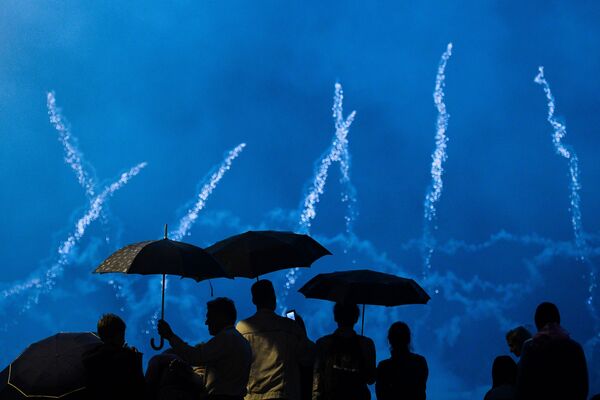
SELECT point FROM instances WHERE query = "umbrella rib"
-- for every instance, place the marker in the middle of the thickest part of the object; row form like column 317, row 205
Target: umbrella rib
column 36, row 395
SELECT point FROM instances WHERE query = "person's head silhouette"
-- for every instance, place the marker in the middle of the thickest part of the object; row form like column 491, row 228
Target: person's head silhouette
column 263, row 295
column 345, row 314
column 515, row 339
column 111, row 330
column 220, row 313
column 399, row 338
column 504, row 371
column 546, row 313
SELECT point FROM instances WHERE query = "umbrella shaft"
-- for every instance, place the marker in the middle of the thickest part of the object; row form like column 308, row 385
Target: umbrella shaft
column 162, row 306
column 362, row 324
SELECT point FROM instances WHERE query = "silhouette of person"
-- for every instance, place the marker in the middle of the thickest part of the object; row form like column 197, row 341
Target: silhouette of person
column 404, row 374
column 552, row 365
column 113, row 370
column 226, row 356
column 504, row 379
column 279, row 348
column 345, row 362
column 169, row 377
column 515, row 339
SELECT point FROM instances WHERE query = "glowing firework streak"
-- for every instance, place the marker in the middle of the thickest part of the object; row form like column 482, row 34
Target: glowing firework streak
column 96, row 207
column 438, row 157
column 560, row 131
column 188, row 220
column 341, row 135
column 439, row 154
column 337, row 153
column 67, row 246
column 72, row 154
column 185, row 224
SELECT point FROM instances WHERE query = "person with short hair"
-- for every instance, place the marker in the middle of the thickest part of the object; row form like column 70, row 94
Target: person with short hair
column 504, row 379
column 403, row 375
column 280, row 348
column 515, row 338
column 552, row 365
column 226, row 356
column 111, row 329
column 345, row 362
column 113, row 370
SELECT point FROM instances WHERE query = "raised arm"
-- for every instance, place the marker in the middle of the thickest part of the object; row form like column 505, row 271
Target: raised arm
column 192, row 355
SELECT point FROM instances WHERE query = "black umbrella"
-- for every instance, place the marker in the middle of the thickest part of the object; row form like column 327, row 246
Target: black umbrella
column 49, row 369
column 256, row 253
column 365, row 287
column 163, row 257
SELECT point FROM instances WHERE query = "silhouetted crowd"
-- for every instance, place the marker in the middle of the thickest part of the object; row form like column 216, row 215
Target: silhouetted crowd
column 267, row 356
column 551, row 364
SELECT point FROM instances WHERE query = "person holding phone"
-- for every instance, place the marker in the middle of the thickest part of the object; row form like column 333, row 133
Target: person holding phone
column 280, row 348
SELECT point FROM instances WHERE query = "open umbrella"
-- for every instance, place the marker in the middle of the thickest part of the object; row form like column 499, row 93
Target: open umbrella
column 256, row 253
column 49, row 369
column 364, row 287
column 163, row 257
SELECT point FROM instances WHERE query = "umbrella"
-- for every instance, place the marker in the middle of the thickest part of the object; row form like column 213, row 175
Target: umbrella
column 365, row 287
column 256, row 253
column 163, row 257
column 49, row 369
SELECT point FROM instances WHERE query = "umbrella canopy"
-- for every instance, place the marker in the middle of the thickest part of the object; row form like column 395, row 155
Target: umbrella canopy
column 365, row 287
column 49, row 369
column 165, row 256
column 256, row 253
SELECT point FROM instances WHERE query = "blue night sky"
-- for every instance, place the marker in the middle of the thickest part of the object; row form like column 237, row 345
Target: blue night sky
column 179, row 85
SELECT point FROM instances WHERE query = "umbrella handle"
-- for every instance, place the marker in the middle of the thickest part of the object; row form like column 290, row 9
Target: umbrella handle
column 160, row 344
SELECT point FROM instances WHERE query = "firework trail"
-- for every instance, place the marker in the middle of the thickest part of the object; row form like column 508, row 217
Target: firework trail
column 438, row 157
column 348, row 194
column 560, row 131
column 73, row 156
column 338, row 152
column 47, row 282
column 81, row 225
column 188, row 220
column 96, row 207
column 567, row 152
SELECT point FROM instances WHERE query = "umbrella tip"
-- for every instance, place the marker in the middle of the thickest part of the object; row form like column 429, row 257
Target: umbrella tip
column 166, row 229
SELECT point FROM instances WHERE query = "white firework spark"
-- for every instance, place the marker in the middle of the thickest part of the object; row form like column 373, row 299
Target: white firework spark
column 188, row 220
column 439, row 155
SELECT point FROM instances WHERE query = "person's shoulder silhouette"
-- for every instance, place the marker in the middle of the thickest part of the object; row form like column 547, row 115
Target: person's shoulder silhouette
column 504, row 379
column 552, row 364
column 280, row 348
column 345, row 364
column 404, row 374
column 113, row 370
